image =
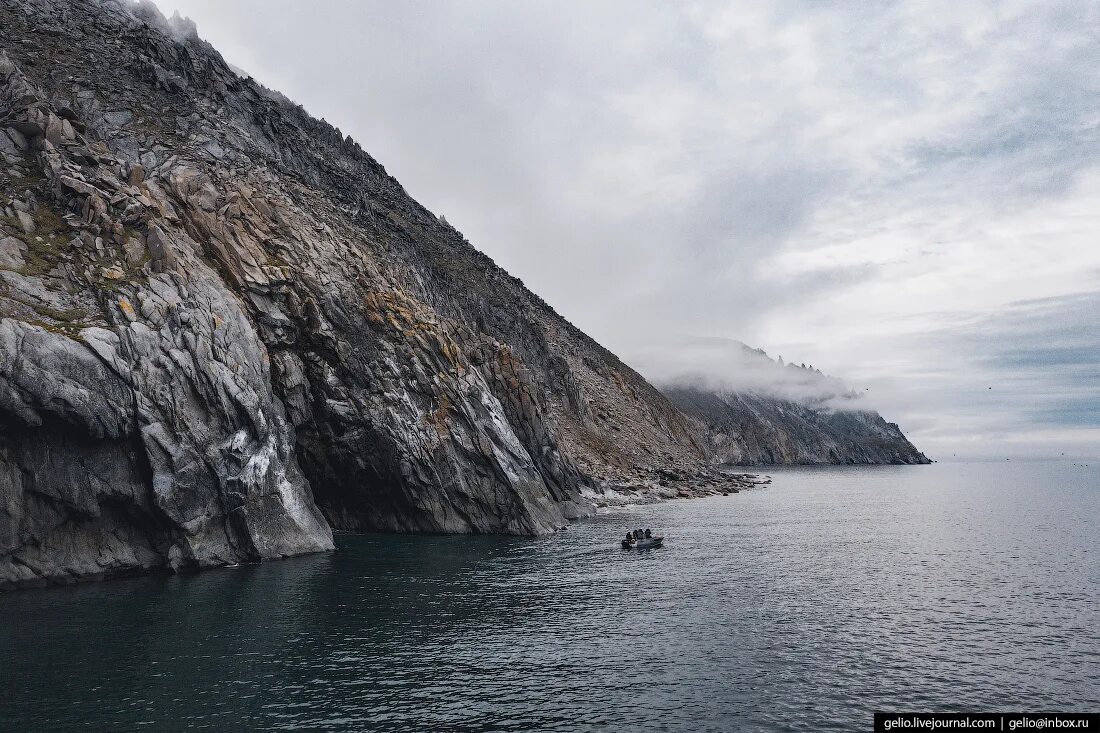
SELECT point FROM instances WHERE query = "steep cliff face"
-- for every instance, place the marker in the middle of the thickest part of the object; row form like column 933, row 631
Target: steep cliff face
column 226, row 329
column 750, row 429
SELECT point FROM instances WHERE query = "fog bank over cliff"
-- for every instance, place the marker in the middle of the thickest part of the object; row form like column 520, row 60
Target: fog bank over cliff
column 725, row 365
column 755, row 410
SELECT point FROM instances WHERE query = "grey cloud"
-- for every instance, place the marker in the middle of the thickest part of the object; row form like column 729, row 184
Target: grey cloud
column 1035, row 366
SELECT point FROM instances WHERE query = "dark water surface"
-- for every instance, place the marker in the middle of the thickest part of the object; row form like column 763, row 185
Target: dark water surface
column 802, row 606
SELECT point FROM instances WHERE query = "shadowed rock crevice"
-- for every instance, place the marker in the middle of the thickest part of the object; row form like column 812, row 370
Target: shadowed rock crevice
column 75, row 506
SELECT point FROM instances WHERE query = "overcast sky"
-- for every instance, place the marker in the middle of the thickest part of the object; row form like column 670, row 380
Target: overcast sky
column 903, row 194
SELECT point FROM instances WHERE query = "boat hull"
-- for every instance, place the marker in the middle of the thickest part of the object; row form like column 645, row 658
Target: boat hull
column 644, row 544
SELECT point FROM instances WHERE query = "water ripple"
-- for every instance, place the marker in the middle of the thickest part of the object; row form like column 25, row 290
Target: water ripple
column 804, row 606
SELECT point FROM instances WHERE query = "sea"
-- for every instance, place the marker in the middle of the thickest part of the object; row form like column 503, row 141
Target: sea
column 805, row 605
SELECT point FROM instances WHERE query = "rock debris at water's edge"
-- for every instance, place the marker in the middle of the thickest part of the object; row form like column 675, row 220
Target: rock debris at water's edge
column 225, row 330
column 668, row 485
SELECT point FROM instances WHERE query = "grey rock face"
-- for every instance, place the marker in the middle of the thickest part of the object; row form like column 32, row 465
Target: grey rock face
column 231, row 330
column 138, row 424
column 73, row 485
column 752, row 430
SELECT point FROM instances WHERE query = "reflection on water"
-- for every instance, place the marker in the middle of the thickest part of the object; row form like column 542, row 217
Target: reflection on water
column 803, row 606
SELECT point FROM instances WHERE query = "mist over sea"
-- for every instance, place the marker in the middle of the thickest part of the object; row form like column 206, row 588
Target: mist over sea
column 805, row 605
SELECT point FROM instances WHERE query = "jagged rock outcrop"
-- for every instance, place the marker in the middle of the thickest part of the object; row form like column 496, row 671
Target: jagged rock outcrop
column 139, row 427
column 225, row 329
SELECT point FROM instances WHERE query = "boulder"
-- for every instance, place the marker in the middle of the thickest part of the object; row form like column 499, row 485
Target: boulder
column 26, row 222
column 136, row 175
column 11, row 253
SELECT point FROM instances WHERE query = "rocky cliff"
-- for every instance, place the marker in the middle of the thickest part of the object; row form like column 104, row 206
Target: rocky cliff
column 226, row 330
column 767, row 412
column 752, row 429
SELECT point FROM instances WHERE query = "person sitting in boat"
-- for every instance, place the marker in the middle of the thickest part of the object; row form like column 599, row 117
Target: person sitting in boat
column 629, row 537
column 637, row 534
column 647, row 533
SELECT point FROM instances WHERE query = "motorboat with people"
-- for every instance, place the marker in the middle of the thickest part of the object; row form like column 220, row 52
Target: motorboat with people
column 642, row 540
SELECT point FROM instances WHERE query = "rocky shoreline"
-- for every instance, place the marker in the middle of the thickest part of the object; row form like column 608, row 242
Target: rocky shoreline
column 667, row 484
